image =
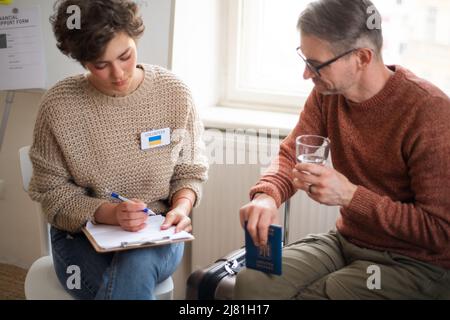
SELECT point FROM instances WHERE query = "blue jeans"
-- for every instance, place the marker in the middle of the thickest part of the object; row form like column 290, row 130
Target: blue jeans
column 130, row 274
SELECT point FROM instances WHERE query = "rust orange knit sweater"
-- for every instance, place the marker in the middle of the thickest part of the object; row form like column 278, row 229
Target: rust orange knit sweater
column 396, row 148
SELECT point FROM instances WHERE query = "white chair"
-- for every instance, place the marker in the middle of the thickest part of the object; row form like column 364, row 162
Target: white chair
column 41, row 282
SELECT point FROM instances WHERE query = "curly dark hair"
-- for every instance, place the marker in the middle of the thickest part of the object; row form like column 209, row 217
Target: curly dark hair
column 101, row 20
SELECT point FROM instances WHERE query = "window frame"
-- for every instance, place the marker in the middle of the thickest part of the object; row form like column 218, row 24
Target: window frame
column 234, row 96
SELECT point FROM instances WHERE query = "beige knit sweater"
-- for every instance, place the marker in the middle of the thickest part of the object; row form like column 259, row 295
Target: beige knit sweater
column 86, row 144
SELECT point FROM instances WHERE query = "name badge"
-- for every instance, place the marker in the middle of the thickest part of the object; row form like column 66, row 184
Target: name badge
column 155, row 138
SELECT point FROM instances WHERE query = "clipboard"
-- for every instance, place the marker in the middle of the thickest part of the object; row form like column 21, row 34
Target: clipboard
column 108, row 238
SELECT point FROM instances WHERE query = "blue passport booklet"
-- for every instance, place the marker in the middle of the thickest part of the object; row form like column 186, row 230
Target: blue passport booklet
column 268, row 258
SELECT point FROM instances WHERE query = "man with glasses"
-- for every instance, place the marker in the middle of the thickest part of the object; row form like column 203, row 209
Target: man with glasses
column 316, row 69
column 390, row 143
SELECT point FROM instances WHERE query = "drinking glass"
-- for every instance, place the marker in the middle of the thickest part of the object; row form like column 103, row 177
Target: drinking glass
column 312, row 149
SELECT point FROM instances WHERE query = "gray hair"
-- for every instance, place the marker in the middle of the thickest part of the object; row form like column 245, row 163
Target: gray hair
column 345, row 24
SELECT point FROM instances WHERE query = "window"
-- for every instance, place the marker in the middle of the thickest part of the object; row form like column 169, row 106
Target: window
column 264, row 70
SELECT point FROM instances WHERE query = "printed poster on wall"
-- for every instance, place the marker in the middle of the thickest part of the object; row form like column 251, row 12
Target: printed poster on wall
column 22, row 63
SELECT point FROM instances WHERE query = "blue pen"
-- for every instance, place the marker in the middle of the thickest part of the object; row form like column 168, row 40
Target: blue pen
column 146, row 210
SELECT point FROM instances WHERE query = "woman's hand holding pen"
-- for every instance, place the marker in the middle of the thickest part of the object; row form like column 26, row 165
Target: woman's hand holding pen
column 130, row 216
column 127, row 214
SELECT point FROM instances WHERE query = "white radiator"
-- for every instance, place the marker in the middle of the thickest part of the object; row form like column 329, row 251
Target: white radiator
column 216, row 225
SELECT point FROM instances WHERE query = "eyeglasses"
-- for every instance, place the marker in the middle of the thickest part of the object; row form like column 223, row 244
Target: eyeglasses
column 316, row 69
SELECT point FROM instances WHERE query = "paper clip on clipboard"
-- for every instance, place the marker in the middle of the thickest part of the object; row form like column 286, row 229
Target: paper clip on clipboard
column 162, row 240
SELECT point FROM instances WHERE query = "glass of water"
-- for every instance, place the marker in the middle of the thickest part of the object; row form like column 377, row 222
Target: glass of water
column 312, row 149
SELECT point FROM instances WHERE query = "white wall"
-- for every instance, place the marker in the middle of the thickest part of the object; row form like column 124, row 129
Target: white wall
column 19, row 233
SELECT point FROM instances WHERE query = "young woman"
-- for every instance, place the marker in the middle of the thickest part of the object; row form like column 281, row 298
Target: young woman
column 90, row 137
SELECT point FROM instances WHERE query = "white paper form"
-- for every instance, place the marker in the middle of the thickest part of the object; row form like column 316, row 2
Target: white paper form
column 109, row 237
column 22, row 63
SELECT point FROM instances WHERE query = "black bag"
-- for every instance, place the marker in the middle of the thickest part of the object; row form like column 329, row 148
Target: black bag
column 216, row 281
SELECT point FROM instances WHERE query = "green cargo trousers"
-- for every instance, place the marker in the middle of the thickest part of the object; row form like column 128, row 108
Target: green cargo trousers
column 326, row 266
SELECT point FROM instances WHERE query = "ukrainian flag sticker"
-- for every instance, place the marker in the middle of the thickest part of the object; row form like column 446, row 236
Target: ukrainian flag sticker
column 155, row 138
